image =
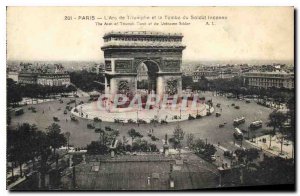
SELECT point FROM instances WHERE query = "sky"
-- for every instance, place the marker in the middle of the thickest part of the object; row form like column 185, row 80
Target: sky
column 247, row 33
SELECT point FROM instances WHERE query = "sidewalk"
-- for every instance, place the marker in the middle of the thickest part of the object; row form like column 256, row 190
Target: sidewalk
column 287, row 147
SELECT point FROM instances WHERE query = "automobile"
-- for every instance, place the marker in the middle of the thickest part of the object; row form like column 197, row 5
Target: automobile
column 237, row 107
column 248, row 101
column 233, row 104
column 218, row 114
column 218, row 105
column 141, row 121
column 74, row 119
column 256, row 124
column 239, row 121
column 90, row 126
column 213, row 158
column 221, row 125
column 230, row 96
column 19, row 112
column 163, row 122
column 65, row 111
column 61, row 101
column 116, row 120
column 130, row 121
column 55, row 119
column 238, row 134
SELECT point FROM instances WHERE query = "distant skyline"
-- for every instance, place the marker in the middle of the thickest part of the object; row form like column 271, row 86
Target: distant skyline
column 249, row 34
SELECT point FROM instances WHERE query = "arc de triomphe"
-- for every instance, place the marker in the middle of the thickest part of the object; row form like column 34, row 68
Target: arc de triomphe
column 160, row 52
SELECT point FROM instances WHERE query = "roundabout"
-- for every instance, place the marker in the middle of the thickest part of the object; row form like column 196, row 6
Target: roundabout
column 162, row 114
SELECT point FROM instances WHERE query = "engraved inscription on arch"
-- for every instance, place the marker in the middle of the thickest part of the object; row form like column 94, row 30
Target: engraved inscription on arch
column 123, row 66
column 171, row 65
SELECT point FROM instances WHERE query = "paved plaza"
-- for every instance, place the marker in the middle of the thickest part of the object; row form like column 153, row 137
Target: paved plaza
column 206, row 127
column 169, row 114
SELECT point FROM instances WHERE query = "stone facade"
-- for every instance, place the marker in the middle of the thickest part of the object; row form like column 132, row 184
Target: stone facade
column 45, row 79
column 161, row 53
column 269, row 79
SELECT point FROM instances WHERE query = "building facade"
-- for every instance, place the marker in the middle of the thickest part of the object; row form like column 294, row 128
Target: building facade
column 58, row 79
column 13, row 75
column 269, row 79
column 47, row 75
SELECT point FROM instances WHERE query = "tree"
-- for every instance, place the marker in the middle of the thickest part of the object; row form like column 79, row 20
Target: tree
column 276, row 120
column 190, row 140
column 43, row 145
column 202, row 149
column 134, row 134
column 251, row 155
column 20, row 148
column 198, row 145
column 101, row 135
column 291, row 116
column 96, row 147
column 14, row 93
column 247, row 156
column 56, row 138
column 178, row 136
column 272, row 170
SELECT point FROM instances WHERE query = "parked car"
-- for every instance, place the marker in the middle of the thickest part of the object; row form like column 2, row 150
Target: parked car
column 239, row 121
column 74, row 119
column 65, row 111
column 55, row 119
column 19, row 112
column 130, row 121
column 238, row 134
column 90, row 126
column 163, row 122
column 256, row 124
column 218, row 105
column 213, row 158
column 141, row 121
column 218, row 114
column 237, row 107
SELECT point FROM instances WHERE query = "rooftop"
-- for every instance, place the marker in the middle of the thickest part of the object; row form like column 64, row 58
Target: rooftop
column 132, row 172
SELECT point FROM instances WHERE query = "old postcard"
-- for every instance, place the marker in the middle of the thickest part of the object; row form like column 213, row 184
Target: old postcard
column 150, row 98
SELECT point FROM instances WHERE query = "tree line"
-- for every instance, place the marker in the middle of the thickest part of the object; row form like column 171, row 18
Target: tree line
column 15, row 91
column 237, row 87
column 27, row 143
column 87, row 81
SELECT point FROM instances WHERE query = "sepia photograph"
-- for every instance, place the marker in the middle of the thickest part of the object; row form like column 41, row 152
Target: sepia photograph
column 150, row 98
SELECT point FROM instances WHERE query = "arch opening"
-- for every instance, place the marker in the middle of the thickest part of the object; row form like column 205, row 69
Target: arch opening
column 147, row 76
